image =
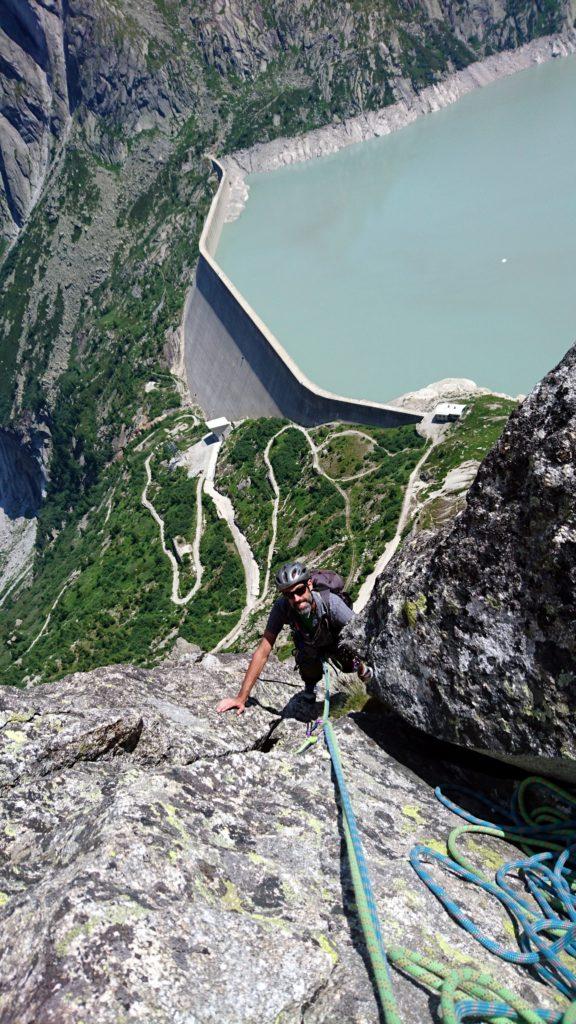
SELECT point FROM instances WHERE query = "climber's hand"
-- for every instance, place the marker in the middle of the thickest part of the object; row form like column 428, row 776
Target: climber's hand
column 231, row 702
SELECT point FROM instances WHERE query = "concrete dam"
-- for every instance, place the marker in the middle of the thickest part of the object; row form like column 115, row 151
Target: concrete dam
column 236, row 367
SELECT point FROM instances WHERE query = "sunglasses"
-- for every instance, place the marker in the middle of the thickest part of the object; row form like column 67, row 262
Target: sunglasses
column 297, row 592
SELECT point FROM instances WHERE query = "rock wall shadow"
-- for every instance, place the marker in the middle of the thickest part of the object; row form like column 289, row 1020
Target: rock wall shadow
column 21, row 478
column 439, row 763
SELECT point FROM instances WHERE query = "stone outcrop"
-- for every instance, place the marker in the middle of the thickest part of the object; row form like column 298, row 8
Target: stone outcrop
column 34, row 101
column 371, row 124
column 161, row 863
column 23, row 458
column 472, row 631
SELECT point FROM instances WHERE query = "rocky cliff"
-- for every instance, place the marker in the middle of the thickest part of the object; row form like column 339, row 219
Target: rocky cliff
column 160, row 863
column 119, row 69
column 104, row 65
column 472, row 631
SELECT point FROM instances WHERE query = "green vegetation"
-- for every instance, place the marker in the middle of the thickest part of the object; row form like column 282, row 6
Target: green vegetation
column 467, row 441
column 382, row 460
column 414, row 610
column 17, row 281
column 350, row 696
column 376, row 500
column 424, row 61
column 173, row 492
column 242, row 475
column 311, row 520
column 470, row 438
column 270, row 113
column 221, row 599
column 347, row 455
column 118, row 607
column 77, row 179
column 39, row 345
column 169, row 10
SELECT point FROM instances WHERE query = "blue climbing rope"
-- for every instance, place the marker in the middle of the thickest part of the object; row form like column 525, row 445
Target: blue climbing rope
column 546, row 927
column 546, row 940
column 364, row 895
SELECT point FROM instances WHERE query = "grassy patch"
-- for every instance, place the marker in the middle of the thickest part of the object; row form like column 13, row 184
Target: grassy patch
column 470, row 438
column 118, row 608
column 311, row 522
column 347, row 455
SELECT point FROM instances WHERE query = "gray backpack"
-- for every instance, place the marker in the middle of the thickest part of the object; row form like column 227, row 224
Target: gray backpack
column 326, row 579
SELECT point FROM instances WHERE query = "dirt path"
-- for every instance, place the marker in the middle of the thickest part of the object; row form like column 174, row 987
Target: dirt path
column 175, row 593
column 276, row 506
column 196, row 562
column 73, row 576
column 363, row 472
column 389, row 550
column 186, row 416
column 225, row 510
column 201, row 459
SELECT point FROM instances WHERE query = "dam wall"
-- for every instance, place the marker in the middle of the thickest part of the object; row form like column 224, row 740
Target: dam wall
column 236, row 367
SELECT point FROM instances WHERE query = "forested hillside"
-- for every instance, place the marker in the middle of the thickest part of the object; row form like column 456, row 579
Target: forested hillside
column 108, row 112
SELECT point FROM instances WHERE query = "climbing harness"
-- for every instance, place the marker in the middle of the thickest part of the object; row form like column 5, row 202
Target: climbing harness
column 547, row 940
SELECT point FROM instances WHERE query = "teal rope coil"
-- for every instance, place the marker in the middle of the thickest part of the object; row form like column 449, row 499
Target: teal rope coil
column 542, row 937
column 469, row 993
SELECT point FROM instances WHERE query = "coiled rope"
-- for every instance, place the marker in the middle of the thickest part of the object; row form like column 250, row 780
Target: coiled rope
column 546, row 939
column 470, row 993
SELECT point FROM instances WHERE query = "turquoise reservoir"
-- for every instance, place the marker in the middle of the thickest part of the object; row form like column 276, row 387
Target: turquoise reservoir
column 447, row 249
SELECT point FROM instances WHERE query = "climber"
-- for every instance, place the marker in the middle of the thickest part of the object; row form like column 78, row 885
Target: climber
column 312, row 606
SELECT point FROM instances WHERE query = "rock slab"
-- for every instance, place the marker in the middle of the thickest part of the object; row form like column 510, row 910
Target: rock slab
column 472, row 631
column 163, row 865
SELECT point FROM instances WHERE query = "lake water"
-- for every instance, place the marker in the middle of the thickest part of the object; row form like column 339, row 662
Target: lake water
column 447, row 249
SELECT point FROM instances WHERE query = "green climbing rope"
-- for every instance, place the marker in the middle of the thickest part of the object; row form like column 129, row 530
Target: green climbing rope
column 468, row 993
column 365, row 903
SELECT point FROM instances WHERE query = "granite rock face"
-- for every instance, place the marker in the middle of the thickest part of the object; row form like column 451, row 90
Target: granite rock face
column 34, row 105
column 89, row 60
column 120, row 68
column 161, row 863
column 472, row 631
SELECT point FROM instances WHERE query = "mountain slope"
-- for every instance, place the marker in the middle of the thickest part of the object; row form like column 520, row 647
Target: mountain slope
column 472, row 630
column 107, row 110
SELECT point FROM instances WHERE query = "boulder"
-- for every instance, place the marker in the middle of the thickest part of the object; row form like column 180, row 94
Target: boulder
column 163, row 864
column 472, row 630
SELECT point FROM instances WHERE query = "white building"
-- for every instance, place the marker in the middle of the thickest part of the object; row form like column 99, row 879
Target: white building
column 447, row 412
column 219, row 427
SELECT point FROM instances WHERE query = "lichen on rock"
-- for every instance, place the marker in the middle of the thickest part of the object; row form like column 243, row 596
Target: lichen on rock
column 162, row 863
